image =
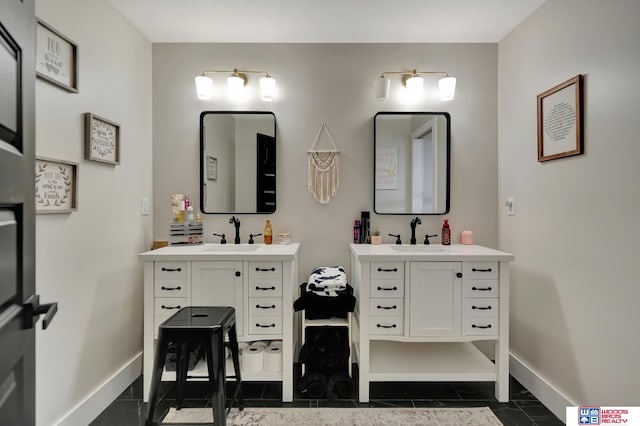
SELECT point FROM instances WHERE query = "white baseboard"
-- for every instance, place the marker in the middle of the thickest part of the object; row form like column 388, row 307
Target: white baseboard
column 539, row 386
column 95, row 403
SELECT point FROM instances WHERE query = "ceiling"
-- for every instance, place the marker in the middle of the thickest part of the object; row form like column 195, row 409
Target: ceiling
column 326, row 21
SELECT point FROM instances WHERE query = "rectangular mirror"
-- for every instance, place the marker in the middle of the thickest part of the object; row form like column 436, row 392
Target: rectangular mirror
column 412, row 159
column 237, row 162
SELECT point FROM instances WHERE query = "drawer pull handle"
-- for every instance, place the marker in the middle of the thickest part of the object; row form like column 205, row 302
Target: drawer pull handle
column 481, row 270
column 474, row 288
column 387, row 270
column 265, row 288
column 482, row 308
column 480, row 326
column 387, row 288
column 171, row 288
column 265, row 269
column 265, row 326
column 386, row 326
column 266, row 307
column 171, row 269
column 171, row 307
column 387, row 307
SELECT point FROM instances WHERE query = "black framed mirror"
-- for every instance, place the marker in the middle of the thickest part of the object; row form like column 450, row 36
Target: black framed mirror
column 237, row 162
column 412, row 158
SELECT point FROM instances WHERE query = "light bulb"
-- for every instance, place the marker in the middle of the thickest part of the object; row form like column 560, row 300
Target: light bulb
column 382, row 86
column 267, row 88
column 236, row 86
column 447, row 88
column 204, row 87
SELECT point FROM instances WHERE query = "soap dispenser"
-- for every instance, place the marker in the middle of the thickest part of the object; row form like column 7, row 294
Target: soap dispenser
column 268, row 232
column 446, row 233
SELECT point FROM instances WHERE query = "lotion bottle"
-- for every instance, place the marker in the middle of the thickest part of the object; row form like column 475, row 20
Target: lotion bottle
column 268, row 232
column 446, row 233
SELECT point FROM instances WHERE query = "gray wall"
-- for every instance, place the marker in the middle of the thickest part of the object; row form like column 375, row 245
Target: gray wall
column 576, row 234
column 87, row 260
column 331, row 83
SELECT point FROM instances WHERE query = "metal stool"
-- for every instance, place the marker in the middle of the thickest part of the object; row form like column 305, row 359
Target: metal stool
column 186, row 329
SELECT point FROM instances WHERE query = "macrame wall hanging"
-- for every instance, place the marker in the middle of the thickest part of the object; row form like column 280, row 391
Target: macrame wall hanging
column 323, row 176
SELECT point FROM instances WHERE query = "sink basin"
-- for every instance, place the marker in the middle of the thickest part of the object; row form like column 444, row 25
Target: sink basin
column 418, row 248
column 231, row 248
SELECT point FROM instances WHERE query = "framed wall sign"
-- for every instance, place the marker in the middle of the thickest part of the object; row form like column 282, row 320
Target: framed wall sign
column 56, row 58
column 56, row 186
column 212, row 168
column 560, row 120
column 101, row 139
column 387, row 168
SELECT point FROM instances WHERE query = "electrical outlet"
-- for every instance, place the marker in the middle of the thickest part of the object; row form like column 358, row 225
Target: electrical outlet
column 511, row 206
column 145, row 206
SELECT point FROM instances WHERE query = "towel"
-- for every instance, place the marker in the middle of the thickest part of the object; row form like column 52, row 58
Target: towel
column 327, row 281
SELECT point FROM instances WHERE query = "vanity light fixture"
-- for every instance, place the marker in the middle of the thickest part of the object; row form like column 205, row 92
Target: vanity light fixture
column 414, row 84
column 236, row 83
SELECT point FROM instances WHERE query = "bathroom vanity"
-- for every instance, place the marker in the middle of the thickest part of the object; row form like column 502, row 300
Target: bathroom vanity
column 259, row 281
column 420, row 308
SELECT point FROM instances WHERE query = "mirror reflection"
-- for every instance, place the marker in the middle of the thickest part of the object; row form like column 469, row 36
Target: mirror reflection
column 412, row 159
column 237, row 162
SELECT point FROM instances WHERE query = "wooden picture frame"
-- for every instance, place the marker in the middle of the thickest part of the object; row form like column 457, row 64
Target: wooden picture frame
column 56, row 58
column 212, row 168
column 101, row 139
column 56, row 185
column 560, row 121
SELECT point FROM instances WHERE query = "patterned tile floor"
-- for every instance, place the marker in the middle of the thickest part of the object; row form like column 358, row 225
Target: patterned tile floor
column 522, row 409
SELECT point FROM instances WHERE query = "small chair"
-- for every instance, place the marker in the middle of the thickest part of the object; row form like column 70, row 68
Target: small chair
column 186, row 329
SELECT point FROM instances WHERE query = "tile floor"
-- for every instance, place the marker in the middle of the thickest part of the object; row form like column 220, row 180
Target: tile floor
column 523, row 408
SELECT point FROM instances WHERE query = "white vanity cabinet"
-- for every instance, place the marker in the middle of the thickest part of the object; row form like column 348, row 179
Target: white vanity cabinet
column 420, row 308
column 259, row 281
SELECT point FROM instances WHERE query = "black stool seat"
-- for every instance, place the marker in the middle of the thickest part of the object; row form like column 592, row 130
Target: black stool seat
column 186, row 329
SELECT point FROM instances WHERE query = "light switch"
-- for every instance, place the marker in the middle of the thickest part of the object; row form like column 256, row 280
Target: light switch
column 145, row 206
column 511, row 206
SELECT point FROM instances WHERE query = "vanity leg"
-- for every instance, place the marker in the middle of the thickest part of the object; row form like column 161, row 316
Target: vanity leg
column 363, row 370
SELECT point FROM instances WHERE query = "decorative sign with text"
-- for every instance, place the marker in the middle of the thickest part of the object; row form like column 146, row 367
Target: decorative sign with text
column 102, row 139
column 56, row 58
column 56, row 186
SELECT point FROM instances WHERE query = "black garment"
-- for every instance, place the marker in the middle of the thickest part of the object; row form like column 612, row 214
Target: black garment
column 321, row 307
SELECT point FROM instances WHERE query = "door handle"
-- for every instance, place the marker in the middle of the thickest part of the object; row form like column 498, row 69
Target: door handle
column 33, row 309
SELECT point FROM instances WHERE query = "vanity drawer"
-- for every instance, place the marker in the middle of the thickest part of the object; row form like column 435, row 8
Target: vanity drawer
column 480, row 326
column 263, row 306
column 265, row 325
column 480, row 270
column 480, row 307
column 387, row 288
column 170, row 269
column 387, row 325
column 387, row 270
column 170, row 287
column 270, row 270
column 386, row 306
column 167, row 306
column 480, row 288
column 265, row 287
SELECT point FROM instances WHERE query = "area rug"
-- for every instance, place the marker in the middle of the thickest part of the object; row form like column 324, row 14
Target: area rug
column 257, row 416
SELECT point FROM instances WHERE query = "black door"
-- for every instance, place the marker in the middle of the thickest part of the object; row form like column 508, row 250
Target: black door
column 18, row 303
column 266, row 174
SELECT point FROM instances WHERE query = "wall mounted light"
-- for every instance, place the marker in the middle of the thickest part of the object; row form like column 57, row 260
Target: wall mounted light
column 236, row 83
column 414, row 84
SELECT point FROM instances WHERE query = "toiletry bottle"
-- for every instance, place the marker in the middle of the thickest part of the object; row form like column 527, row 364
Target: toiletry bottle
column 190, row 217
column 268, row 232
column 356, row 232
column 446, row 233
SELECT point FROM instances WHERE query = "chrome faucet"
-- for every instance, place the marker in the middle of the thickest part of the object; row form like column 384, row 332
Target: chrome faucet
column 236, row 223
column 414, row 222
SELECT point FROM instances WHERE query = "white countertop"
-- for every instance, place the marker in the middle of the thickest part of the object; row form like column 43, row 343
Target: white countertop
column 223, row 252
column 432, row 252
